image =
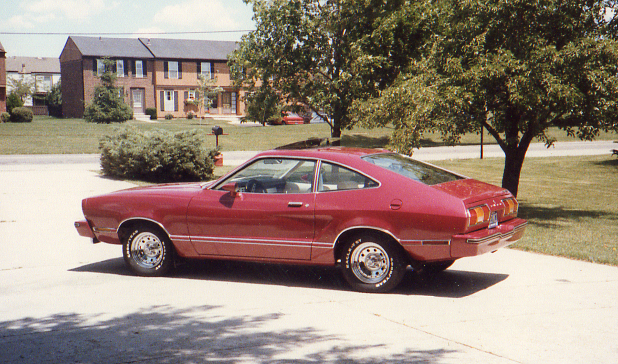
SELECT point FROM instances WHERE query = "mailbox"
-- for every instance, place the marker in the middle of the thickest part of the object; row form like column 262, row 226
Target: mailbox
column 217, row 130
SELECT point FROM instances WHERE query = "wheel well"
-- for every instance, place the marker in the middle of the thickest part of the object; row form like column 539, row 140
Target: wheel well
column 126, row 228
column 348, row 234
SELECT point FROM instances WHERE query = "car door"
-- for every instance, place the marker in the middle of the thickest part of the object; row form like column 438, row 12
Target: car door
column 269, row 215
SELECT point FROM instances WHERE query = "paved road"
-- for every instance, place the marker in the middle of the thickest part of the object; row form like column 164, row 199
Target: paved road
column 63, row 300
column 234, row 158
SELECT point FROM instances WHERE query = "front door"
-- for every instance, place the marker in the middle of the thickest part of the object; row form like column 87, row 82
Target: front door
column 271, row 217
column 137, row 96
column 168, row 101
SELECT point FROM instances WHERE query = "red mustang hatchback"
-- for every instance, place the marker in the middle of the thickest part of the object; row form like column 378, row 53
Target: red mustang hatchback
column 371, row 212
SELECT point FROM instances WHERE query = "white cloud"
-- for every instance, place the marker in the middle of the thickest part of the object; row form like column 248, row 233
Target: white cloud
column 198, row 15
column 70, row 9
column 18, row 22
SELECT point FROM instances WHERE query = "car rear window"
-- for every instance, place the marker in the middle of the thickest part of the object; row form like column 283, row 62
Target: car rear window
column 411, row 168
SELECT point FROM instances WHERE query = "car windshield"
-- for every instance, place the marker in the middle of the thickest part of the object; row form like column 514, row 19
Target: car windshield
column 413, row 169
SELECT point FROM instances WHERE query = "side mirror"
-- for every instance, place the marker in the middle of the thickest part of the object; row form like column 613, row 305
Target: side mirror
column 231, row 188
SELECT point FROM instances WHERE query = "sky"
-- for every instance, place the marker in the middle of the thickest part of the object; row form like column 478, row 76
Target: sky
column 135, row 18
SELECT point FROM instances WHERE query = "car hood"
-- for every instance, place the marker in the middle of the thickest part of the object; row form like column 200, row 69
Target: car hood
column 471, row 190
column 166, row 188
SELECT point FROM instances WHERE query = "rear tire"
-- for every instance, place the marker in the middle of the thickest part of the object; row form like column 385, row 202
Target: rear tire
column 148, row 252
column 371, row 264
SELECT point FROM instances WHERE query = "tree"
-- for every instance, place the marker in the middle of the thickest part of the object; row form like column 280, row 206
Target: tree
column 263, row 104
column 108, row 104
column 207, row 92
column 314, row 53
column 513, row 67
column 53, row 100
column 22, row 86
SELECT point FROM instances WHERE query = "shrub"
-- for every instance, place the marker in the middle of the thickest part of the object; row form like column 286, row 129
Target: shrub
column 169, row 117
column 4, row 117
column 53, row 99
column 152, row 112
column 13, row 101
column 108, row 104
column 21, row 115
column 190, row 116
column 156, row 155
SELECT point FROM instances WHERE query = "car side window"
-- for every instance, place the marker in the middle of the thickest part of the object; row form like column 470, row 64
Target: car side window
column 334, row 177
column 275, row 175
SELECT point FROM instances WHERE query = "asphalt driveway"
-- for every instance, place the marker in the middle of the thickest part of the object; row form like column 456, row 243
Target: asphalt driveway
column 63, row 299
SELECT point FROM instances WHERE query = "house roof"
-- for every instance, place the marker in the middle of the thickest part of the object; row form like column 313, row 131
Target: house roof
column 2, row 49
column 33, row 65
column 189, row 48
column 111, row 47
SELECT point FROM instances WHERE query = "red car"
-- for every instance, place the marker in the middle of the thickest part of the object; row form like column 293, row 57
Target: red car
column 371, row 212
column 290, row 118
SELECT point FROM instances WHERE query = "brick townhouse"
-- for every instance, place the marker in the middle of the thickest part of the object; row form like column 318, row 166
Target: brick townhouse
column 2, row 79
column 159, row 73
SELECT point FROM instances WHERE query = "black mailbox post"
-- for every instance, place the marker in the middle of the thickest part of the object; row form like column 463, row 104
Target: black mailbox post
column 216, row 131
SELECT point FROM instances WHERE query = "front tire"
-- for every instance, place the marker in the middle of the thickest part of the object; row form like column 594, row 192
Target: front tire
column 371, row 264
column 148, row 252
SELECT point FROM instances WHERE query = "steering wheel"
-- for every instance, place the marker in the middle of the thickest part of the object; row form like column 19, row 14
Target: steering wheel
column 255, row 186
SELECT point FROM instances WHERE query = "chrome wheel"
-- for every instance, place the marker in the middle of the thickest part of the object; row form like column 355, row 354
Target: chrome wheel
column 370, row 263
column 147, row 250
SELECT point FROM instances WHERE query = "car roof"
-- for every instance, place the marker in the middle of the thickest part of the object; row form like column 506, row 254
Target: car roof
column 335, row 154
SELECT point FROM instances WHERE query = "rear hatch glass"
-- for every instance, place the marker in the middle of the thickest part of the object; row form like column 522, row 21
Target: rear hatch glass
column 411, row 168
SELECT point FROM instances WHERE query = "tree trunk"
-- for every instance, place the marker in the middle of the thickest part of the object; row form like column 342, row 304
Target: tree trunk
column 514, row 160
column 335, row 131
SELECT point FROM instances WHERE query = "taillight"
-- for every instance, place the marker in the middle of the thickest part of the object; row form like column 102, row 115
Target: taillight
column 478, row 215
column 510, row 206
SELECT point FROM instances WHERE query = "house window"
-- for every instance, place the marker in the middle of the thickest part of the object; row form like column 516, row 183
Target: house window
column 172, row 68
column 120, row 68
column 100, row 67
column 206, row 70
column 191, row 95
column 139, row 69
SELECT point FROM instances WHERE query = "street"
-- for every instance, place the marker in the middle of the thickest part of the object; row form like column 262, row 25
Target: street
column 63, row 299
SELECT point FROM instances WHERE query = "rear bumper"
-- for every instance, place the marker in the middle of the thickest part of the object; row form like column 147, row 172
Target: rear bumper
column 84, row 229
column 488, row 240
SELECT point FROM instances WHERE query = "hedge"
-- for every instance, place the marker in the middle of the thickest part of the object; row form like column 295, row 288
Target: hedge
column 156, row 155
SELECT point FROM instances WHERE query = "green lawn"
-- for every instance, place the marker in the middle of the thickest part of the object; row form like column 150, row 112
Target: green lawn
column 571, row 202
column 75, row 136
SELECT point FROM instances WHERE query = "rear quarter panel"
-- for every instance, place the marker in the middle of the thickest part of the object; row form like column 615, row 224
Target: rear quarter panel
column 415, row 214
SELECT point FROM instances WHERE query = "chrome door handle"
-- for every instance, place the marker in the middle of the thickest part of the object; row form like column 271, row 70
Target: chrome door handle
column 295, row 204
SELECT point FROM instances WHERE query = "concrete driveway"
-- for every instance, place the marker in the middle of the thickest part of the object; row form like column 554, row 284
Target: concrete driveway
column 63, row 300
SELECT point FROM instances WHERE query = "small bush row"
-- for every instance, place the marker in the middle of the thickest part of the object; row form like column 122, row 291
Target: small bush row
column 17, row 115
column 156, row 155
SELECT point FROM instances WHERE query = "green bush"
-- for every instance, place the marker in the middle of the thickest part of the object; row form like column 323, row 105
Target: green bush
column 156, row 155
column 169, row 117
column 13, row 101
column 152, row 112
column 21, row 115
column 53, row 99
column 190, row 116
column 4, row 117
column 108, row 105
